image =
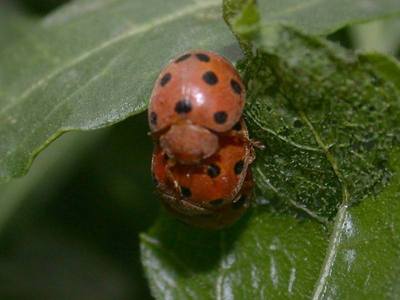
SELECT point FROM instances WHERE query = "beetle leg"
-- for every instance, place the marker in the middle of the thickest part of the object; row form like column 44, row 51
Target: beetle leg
column 170, row 176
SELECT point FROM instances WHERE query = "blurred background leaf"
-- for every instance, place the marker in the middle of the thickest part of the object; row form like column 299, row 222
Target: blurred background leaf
column 14, row 22
column 75, row 235
column 50, row 170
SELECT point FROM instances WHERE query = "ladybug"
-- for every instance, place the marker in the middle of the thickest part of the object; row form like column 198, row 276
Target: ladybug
column 211, row 194
column 196, row 97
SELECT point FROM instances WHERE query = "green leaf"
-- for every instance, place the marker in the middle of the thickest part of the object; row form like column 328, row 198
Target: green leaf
column 264, row 256
column 271, row 256
column 362, row 261
column 336, row 112
column 246, row 22
column 91, row 64
column 387, row 66
column 380, row 36
column 325, row 16
column 329, row 120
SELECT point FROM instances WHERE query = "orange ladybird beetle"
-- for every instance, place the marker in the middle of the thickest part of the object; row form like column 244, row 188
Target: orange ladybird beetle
column 202, row 149
column 211, row 194
column 197, row 96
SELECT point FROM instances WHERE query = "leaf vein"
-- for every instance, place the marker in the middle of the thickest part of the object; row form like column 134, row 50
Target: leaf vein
column 65, row 100
column 340, row 218
column 284, row 139
column 291, row 201
column 126, row 34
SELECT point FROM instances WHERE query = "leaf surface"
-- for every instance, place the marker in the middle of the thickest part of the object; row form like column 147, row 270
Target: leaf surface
column 325, row 16
column 91, row 64
column 329, row 120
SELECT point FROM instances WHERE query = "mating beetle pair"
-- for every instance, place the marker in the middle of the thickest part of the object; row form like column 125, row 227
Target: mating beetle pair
column 202, row 149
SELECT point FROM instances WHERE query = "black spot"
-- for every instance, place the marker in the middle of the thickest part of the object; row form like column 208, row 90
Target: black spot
column 153, row 118
column 186, row 192
column 203, row 57
column 236, row 86
column 165, row 79
column 210, row 78
column 183, row 106
column 165, row 156
column 220, row 117
column 217, row 202
column 213, row 170
column 183, row 57
column 239, row 167
column 238, row 126
column 239, row 202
